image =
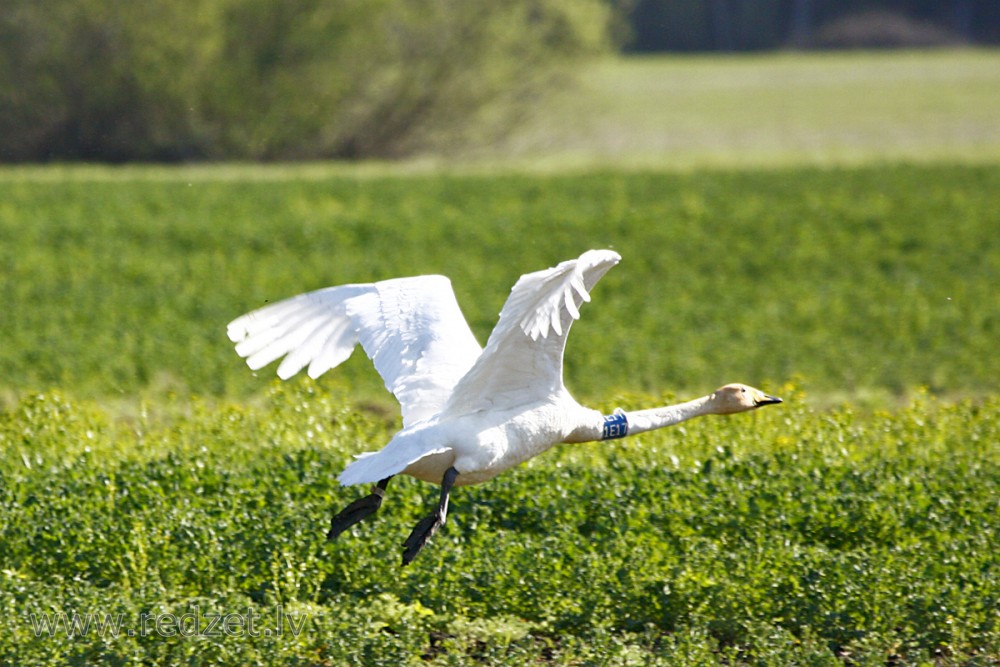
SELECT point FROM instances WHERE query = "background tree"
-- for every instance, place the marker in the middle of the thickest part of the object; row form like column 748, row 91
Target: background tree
column 116, row 80
column 268, row 79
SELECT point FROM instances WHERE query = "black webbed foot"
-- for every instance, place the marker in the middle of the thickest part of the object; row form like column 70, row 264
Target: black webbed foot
column 358, row 510
column 429, row 525
column 420, row 535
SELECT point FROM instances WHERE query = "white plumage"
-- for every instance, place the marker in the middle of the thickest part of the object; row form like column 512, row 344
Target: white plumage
column 411, row 328
column 468, row 413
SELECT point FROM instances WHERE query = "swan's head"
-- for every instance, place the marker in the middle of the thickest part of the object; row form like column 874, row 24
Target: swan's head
column 739, row 398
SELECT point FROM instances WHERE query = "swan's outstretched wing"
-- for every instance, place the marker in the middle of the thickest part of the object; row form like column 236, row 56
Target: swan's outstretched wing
column 522, row 361
column 411, row 328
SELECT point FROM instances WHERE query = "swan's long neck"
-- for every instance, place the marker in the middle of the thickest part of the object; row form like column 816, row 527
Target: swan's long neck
column 623, row 423
column 641, row 421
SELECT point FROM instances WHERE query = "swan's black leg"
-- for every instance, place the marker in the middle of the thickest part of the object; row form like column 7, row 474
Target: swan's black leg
column 358, row 510
column 429, row 525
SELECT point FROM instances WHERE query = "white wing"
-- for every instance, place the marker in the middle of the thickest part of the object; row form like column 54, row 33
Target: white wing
column 411, row 328
column 522, row 361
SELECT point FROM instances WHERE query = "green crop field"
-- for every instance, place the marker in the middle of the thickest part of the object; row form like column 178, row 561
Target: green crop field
column 872, row 279
column 161, row 504
column 793, row 108
column 785, row 537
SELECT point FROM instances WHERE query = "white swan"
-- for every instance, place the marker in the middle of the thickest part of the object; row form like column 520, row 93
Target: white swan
column 468, row 413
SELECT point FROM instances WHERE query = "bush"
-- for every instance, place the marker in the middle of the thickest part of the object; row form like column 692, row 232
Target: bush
column 230, row 79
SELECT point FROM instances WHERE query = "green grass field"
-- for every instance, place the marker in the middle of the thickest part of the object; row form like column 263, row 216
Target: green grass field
column 865, row 280
column 785, row 537
column 160, row 504
column 794, row 108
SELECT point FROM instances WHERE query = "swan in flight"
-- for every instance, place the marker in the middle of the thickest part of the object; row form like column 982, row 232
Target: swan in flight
column 469, row 413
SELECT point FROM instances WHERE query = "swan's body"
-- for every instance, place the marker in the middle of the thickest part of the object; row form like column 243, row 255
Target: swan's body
column 468, row 413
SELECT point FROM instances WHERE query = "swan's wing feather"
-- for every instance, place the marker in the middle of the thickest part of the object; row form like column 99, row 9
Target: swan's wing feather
column 522, row 361
column 286, row 327
column 411, row 328
column 419, row 341
column 289, row 326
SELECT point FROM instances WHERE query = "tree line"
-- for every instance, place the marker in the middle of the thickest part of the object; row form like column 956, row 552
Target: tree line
column 739, row 25
column 170, row 80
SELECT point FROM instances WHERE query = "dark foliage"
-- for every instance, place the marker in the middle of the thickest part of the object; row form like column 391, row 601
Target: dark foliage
column 258, row 79
column 740, row 25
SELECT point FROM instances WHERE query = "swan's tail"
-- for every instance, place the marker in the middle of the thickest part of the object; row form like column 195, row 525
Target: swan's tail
column 371, row 467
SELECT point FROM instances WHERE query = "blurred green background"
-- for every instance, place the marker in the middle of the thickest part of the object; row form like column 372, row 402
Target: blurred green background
column 181, row 80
